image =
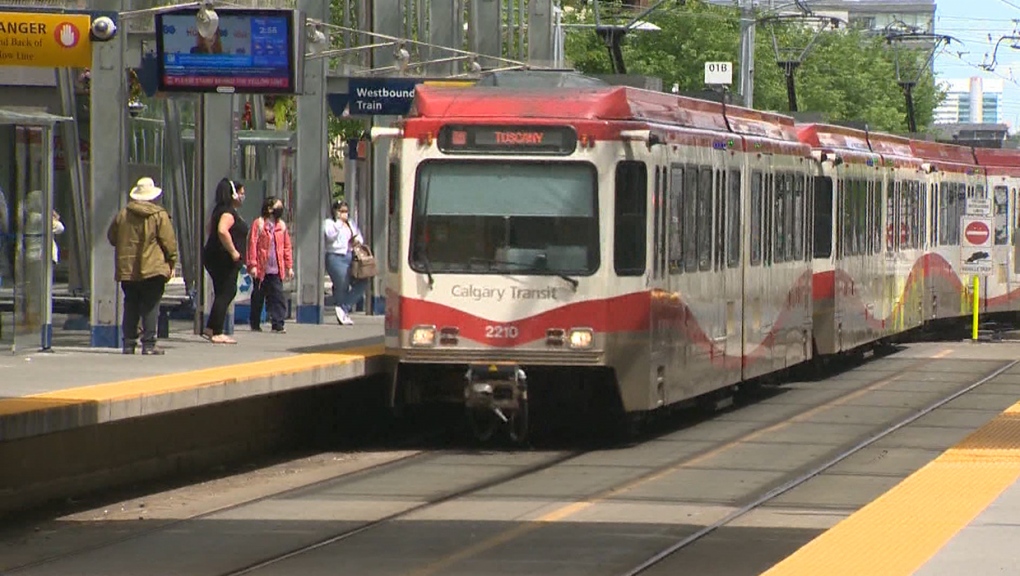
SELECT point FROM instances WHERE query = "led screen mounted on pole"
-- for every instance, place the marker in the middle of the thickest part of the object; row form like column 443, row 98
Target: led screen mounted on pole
column 252, row 51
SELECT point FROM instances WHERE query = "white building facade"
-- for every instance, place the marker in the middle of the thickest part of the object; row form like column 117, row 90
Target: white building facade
column 970, row 100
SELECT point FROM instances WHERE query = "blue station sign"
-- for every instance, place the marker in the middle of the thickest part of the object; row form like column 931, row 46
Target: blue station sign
column 381, row 96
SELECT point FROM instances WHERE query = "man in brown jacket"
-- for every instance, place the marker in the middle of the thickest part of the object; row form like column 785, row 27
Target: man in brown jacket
column 146, row 247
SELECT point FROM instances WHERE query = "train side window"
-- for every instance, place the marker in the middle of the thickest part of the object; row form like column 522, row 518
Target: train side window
column 756, row 218
column 933, row 213
column 780, row 238
column 768, row 197
column 852, row 217
column 1001, row 214
column 809, row 216
column 823, row 217
column 948, row 212
column 629, row 242
column 663, row 223
column 789, row 213
column 656, row 232
column 704, row 215
column 661, row 238
column 719, row 237
column 733, row 220
column 691, row 219
column 676, row 214
column 917, row 226
column 798, row 216
column 961, row 205
column 922, row 216
column 393, row 220
column 1016, row 210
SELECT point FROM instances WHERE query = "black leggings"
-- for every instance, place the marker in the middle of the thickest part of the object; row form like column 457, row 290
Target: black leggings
column 224, row 280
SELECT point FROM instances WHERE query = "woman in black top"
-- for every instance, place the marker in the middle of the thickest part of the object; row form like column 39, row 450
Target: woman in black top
column 223, row 256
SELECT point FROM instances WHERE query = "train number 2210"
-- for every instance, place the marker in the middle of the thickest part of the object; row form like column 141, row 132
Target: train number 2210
column 502, row 331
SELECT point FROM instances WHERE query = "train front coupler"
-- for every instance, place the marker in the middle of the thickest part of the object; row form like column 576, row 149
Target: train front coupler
column 499, row 390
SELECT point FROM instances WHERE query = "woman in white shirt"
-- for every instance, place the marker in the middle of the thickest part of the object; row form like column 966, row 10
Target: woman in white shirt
column 341, row 232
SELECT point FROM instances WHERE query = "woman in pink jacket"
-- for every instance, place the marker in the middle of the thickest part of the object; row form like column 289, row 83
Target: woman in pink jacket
column 270, row 261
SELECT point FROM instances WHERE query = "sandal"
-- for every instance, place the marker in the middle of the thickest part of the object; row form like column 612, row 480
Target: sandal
column 222, row 339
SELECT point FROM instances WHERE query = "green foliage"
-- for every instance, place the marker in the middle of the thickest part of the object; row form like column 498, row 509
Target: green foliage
column 848, row 75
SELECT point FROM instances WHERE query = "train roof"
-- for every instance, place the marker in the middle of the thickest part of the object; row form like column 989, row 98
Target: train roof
column 944, row 153
column 999, row 161
column 596, row 103
column 1003, row 157
column 835, row 137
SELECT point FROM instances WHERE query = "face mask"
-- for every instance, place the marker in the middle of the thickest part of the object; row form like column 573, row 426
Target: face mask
column 278, row 212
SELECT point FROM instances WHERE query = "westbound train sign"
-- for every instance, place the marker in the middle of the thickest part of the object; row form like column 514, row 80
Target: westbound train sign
column 45, row 40
column 976, row 245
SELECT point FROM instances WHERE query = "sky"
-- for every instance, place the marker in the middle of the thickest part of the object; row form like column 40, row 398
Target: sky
column 972, row 22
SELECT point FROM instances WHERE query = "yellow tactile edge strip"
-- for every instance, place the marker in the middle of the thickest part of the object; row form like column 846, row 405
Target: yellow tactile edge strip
column 175, row 382
column 902, row 529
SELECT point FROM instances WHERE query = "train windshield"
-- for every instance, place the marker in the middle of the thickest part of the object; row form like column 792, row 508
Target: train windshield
column 501, row 217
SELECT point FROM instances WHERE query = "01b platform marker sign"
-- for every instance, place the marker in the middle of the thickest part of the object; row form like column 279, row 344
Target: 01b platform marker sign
column 976, row 245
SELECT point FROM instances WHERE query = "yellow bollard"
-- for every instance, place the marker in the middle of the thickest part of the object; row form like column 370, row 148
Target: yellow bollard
column 976, row 303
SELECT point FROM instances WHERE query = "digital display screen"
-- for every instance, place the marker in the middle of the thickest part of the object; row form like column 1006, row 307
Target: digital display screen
column 483, row 139
column 253, row 51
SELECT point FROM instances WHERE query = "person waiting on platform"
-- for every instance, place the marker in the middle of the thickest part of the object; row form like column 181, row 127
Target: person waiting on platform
column 270, row 261
column 222, row 256
column 341, row 234
column 146, row 253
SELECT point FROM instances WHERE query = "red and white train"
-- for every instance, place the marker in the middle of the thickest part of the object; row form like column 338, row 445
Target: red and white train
column 657, row 249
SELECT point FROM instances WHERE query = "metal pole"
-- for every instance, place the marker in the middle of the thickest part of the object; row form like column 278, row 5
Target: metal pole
column 976, row 303
column 108, row 178
column 46, row 328
column 198, row 215
column 747, row 34
column 908, row 93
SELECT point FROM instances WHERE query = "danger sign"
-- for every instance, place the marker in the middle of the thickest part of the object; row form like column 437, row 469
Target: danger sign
column 45, row 40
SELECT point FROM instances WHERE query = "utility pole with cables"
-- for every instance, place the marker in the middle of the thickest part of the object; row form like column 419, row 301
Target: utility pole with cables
column 747, row 29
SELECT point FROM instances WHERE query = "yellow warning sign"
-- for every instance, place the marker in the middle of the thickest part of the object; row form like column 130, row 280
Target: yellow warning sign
column 45, row 40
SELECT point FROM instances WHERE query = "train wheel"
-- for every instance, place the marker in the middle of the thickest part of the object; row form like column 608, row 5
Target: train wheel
column 483, row 424
column 519, row 422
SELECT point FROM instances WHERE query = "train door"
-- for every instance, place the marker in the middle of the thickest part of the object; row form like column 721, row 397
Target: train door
column 678, row 367
column 934, row 203
column 663, row 311
column 715, row 296
column 1014, row 230
column 730, row 266
column 758, row 317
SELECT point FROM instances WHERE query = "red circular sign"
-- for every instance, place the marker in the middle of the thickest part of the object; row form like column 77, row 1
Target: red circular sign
column 977, row 233
column 66, row 35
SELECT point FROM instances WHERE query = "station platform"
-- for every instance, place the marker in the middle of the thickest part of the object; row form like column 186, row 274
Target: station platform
column 72, row 387
column 959, row 514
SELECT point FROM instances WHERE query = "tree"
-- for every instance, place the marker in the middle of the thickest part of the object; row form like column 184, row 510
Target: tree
column 848, row 75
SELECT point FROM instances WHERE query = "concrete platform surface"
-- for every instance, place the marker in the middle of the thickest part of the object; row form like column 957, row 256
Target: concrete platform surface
column 44, row 392
column 955, row 515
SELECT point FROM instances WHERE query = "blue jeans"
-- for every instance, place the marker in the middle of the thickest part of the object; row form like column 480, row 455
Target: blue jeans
column 346, row 290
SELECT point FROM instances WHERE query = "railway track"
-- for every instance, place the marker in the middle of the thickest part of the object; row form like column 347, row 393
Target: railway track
column 528, row 465
column 771, row 495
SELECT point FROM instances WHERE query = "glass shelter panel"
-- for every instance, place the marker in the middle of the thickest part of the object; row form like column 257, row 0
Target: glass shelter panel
column 25, row 290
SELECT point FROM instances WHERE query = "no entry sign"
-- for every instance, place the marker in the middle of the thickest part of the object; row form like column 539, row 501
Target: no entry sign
column 977, row 232
column 975, row 245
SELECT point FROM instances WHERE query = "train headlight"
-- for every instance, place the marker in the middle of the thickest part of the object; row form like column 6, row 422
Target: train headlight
column 423, row 336
column 581, row 338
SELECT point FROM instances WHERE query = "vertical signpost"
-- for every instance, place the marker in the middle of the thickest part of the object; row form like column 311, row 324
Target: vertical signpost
column 976, row 248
